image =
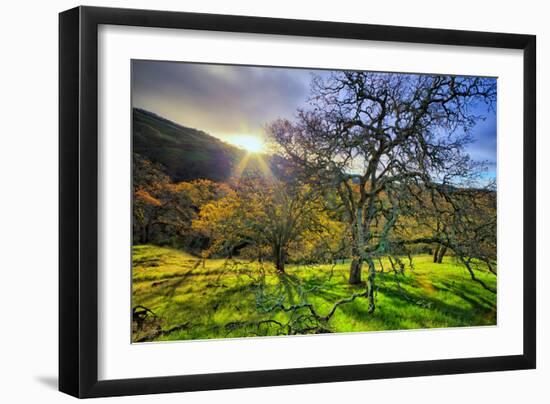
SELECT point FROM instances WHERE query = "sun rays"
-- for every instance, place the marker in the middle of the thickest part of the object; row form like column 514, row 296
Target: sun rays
column 252, row 162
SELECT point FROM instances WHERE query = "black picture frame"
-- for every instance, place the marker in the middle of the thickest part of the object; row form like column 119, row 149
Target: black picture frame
column 78, row 201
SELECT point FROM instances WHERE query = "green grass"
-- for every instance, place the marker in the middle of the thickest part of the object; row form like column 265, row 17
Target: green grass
column 221, row 299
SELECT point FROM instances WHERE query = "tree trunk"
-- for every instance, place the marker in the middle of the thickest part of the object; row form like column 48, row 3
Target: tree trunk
column 441, row 254
column 371, row 284
column 358, row 248
column 436, row 253
column 280, row 266
column 145, row 233
column 355, row 270
column 279, row 258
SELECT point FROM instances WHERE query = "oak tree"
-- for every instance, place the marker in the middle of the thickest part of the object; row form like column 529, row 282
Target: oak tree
column 370, row 134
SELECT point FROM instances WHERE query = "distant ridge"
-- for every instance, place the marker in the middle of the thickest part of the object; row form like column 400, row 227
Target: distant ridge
column 184, row 153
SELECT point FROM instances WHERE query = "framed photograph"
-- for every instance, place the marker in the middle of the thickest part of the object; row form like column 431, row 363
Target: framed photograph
column 251, row 201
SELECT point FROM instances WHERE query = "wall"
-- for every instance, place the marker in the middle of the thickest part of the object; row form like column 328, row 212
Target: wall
column 28, row 167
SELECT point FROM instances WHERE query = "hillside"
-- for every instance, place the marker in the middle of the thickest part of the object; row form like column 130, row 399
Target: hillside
column 185, row 153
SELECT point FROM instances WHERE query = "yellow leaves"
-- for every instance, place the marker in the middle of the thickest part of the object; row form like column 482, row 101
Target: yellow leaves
column 202, row 191
column 258, row 214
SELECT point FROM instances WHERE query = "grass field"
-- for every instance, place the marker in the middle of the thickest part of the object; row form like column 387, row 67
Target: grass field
column 192, row 299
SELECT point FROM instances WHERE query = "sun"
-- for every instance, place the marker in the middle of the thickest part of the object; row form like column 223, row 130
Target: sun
column 251, row 143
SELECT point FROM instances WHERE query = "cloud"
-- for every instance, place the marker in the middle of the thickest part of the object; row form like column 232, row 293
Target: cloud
column 484, row 146
column 219, row 99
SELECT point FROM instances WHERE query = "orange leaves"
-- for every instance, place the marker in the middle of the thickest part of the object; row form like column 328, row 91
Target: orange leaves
column 145, row 197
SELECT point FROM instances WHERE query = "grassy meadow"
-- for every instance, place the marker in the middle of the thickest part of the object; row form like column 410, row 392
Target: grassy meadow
column 191, row 298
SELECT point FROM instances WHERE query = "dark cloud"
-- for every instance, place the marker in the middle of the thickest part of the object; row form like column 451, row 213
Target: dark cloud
column 219, row 99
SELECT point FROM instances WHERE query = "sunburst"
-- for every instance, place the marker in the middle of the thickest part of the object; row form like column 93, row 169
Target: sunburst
column 251, row 143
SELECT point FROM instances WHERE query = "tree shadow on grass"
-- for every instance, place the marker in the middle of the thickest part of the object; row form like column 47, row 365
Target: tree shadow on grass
column 319, row 286
column 466, row 293
column 406, row 310
column 290, row 284
column 336, row 293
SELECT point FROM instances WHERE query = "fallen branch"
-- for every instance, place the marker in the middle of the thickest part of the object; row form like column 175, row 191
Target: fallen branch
column 312, row 310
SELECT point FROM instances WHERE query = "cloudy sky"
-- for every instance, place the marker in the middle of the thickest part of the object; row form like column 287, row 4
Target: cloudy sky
column 230, row 102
